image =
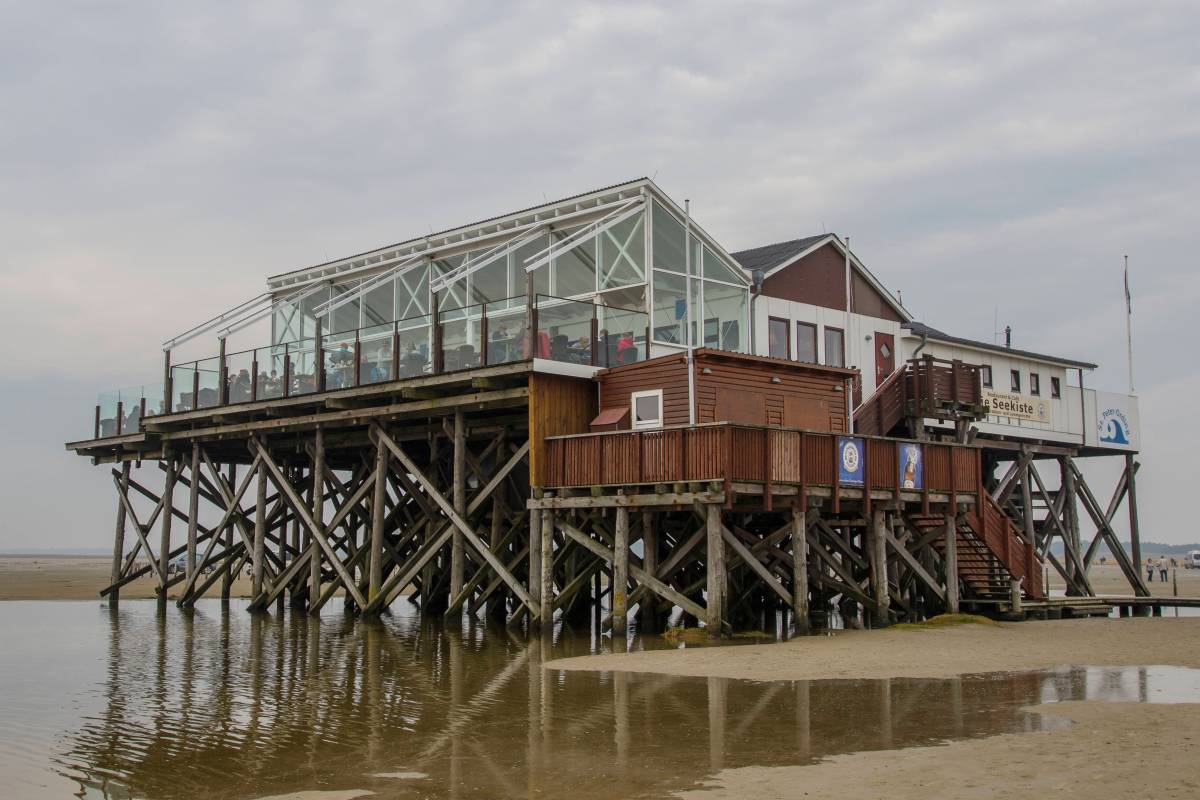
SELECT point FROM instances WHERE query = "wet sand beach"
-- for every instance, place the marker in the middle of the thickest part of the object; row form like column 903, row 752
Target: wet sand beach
column 55, row 577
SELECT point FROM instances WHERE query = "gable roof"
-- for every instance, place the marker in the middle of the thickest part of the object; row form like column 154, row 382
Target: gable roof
column 579, row 208
column 769, row 259
column 921, row 329
column 772, row 255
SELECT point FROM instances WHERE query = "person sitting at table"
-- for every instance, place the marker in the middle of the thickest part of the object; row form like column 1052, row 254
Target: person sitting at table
column 582, row 350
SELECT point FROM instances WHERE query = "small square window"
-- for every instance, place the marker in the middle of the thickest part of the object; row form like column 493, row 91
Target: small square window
column 1035, row 383
column 1014, row 379
column 985, row 376
column 1055, row 388
column 647, row 409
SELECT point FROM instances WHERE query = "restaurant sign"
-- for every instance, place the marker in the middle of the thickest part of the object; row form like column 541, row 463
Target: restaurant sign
column 1016, row 406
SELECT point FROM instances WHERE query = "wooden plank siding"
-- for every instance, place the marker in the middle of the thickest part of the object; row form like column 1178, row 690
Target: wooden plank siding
column 558, row 405
column 668, row 373
column 744, row 453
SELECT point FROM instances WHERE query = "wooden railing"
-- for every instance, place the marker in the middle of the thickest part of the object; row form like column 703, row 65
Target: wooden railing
column 1000, row 534
column 925, row 387
column 728, row 452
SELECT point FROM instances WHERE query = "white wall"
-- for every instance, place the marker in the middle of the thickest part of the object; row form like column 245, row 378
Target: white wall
column 860, row 351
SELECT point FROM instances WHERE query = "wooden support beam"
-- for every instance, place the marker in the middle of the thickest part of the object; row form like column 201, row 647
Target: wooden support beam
column 914, row 566
column 375, row 569
column 715, row 570
column 459, row 489
column 877, row 550
column 456, row 520
column 620, row 583
column 1135, row 535
column 318, row 516
column 189, row 564
column 950, row 534
column 114, row 596
column 164, row 546
column 756, row 566
column 545, row 577
column 799, row 527
column 640, row 575
column 260, row 533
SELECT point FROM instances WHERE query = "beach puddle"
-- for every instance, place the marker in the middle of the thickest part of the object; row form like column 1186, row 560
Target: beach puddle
column 222, row 704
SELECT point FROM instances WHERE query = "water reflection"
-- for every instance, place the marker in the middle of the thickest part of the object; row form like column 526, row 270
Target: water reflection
column 225, row 704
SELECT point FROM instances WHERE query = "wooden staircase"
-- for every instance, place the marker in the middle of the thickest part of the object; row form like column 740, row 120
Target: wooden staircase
column 924, row 388
column 991, row 552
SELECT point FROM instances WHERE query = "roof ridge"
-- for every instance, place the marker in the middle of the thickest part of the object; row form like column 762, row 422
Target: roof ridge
column 783, row 242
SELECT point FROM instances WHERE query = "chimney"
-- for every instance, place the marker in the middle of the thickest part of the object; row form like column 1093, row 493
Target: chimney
column 1008, row 336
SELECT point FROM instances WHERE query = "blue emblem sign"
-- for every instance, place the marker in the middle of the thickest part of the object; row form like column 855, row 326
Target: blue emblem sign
column 911, row 463
column 850, row 461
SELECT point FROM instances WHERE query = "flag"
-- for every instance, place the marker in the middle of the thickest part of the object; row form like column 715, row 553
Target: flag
column 1128, row 297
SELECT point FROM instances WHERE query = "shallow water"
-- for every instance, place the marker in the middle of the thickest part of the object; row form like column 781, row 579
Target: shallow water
column 223, row 704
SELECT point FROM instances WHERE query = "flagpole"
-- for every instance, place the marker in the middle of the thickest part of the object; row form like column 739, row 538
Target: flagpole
column 1128, row 326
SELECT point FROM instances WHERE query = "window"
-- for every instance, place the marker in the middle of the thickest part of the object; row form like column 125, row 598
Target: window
column 985, row 376
column 1055, row 388
column 777, row 337
column 1035, row 383
column 835, row 351
column 646, row 408
column 806, row 342
column 670, row 308
column 1014, row 379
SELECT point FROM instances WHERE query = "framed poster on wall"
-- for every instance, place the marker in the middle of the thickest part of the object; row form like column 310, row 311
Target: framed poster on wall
column 850, row 461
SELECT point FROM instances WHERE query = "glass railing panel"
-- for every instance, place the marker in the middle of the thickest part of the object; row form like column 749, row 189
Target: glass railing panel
column 239, row 367
column 621, row 336
column 506, row 332
column 339, row 360
column 269, row 381
column 302, row 367
column 108, row 402
column 183, row 389
column 208, row 386
column 131, row 407
column 460, row 344
column 375, row 354
column 414, row 336
column 564, row 330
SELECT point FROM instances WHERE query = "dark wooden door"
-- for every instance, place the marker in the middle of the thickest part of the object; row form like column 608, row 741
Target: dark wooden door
column 885, row 356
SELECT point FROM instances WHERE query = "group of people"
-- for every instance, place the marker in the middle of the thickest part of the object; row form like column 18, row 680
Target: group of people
column 1162, row 565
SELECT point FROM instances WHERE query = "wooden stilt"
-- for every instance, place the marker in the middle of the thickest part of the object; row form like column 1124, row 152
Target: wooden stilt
column 546, row 577
column 620, row 587
column 877, row 556
column 378, row 507
column 715, row 558
column 1135, row 536
column 318, row 515
column 260, row 534
column 950, row 537
column 457, row 554
column 535, row 556
column 799, row 570
column 228, row 573
column 189, row 564
column 164, row 546
column 646, row 612
column 118, row 562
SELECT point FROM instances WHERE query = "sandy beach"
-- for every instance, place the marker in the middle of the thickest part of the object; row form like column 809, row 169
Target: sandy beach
column 54, row 577
column 1154, row 742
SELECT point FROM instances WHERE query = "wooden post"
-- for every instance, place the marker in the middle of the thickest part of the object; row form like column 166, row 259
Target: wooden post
column 193, row 511
column 877, row 557
column 228, row 575
column 1135, row 538
column 545, row 597
column 167, row 389
column 715, row 563
column 222, row 376
column 318, row 514
column 378, row 509
column 114, row 597
column 1027, row 506
column 799, row 570
column 459, row 500
column 620, row 585
column 1014, row 596
column 950, row 535
column 260, row 534
column 1070, row 518
column 649, row 621
column 535, row 555
column 164, row 545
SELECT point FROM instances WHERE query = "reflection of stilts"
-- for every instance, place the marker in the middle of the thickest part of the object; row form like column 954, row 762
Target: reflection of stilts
column 717, row 690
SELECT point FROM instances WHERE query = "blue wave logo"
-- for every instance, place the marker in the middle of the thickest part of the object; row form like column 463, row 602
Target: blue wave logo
column 1114, row 427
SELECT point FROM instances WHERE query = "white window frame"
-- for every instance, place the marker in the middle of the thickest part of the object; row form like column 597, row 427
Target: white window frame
column 633, row 419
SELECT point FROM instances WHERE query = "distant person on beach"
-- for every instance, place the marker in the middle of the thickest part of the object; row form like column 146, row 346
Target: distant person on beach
column 1162, row 568
column 1149, row 570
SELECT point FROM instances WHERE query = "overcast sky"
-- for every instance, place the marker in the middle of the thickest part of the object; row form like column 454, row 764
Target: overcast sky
column 157, row 161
